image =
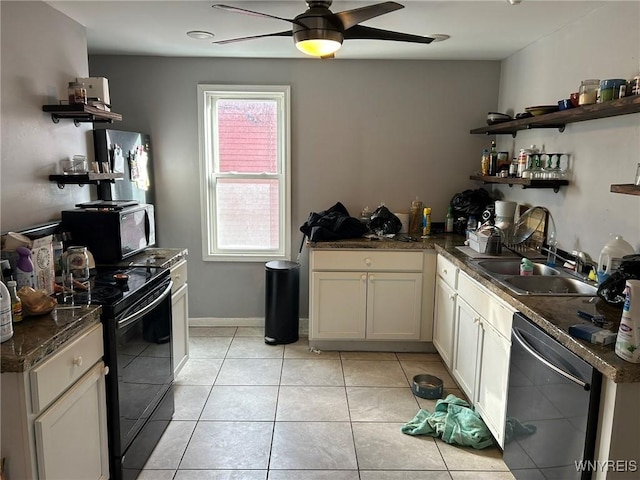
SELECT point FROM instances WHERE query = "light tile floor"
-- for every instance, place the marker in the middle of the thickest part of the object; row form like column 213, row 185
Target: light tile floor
column 250, row 411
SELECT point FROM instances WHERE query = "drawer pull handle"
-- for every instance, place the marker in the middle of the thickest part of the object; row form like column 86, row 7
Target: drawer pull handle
column 78, row 361
column 105, row 370
column 178, row 276
column 452, row 296
column 444, row 270
column 367, row 262
column 476, row 319
column 363, row 277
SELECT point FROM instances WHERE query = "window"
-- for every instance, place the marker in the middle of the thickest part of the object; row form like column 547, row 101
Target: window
column 245, row 172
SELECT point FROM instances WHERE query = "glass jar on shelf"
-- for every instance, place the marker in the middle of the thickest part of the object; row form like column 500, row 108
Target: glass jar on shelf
column 588, row 92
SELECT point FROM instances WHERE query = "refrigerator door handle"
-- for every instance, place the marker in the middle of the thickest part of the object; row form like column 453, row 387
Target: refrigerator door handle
column 517, row 335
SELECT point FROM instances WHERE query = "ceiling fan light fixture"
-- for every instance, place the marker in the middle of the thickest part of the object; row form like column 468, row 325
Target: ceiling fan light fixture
column 318, row 42
column 318, row 47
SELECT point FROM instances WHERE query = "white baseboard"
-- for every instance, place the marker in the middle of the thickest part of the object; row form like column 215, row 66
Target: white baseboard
column 240, row 322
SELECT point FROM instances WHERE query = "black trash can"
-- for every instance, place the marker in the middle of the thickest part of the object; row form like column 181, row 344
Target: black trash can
column 281, row 318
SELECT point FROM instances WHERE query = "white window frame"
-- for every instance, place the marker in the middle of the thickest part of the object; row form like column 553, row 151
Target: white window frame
column 207, row 94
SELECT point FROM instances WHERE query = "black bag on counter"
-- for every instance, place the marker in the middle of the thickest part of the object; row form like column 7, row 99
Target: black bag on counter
column 334, row 223
column 383, row 222
column 467, row 203
column 612, row 289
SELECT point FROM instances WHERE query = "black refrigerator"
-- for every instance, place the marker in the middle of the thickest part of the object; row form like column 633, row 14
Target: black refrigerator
column 128, row 153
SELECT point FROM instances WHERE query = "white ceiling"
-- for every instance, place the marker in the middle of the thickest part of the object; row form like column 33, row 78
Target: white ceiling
column 479, row 30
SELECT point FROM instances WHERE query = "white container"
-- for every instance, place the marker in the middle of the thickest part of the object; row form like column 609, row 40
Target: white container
column 611, row 256
column 628, row 340
column 6, row 326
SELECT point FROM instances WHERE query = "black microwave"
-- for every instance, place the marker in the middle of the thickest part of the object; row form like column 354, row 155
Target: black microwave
column 111, row 235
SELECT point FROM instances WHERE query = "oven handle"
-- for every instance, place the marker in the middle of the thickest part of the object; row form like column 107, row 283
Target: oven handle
column 529, row 349
column 140, row 313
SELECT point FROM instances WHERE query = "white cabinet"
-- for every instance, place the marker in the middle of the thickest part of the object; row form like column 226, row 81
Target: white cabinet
column 472, row 332
column 482, row 350
column 180, row 315
column 366, row 295
column 466, row 347
column 445, row 310
column 54, row 419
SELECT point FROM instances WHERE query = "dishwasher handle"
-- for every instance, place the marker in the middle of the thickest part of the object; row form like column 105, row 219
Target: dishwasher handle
column 532, row 351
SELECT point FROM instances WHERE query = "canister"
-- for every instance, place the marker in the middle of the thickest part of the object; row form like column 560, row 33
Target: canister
column 588, row 93
column 77, row 93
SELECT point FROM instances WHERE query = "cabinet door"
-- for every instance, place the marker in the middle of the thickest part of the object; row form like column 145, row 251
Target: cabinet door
column 180, row 327
column 338, row 303
column 444, row 321
column 466, row 347
column 71, row 435
column 493, row 377
column 394, row 306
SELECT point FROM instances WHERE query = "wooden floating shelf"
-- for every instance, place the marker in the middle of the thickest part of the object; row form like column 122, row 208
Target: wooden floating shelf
column 628, row 189
column 622, row 106
column 525, row 182
column 80, row 113
column 85, row 178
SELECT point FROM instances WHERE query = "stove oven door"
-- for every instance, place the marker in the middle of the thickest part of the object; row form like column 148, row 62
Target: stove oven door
column 144, row 370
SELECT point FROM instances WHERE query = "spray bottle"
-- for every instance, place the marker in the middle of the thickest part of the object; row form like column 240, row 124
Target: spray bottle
column 6, row 326
column 628, row 341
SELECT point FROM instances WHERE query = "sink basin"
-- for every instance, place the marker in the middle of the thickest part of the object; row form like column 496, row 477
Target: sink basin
column 549, row 285
column 512, row 267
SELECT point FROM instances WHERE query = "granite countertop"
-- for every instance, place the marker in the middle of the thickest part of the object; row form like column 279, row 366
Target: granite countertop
column 553, row 314
column 36, row 337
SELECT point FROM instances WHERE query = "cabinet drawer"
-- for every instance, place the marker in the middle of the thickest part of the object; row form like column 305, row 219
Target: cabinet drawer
column 366, row 260
column 56, row 374
column 489, row 306
column 447, row 271
column 179, row 274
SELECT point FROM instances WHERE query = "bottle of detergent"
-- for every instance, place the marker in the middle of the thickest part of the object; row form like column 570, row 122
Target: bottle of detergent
column 611, row 256
column 628, row 340
column 24, row 268
column 6, row 326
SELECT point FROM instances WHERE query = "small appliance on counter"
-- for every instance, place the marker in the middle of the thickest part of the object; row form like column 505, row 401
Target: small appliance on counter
column 112, row 231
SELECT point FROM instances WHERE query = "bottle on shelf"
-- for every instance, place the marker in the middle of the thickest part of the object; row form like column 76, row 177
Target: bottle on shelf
column 484, row 163
column 493, row 159
column 448, row 221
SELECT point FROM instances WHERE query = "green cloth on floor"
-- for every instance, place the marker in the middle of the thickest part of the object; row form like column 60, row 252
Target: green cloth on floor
column 454, row 421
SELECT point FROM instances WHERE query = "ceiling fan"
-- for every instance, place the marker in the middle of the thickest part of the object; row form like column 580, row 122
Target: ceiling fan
column 319, row 32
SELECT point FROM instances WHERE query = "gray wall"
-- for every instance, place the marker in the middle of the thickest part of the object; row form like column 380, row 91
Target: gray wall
column 363, row 132
column 42, row 50
column 603, row 152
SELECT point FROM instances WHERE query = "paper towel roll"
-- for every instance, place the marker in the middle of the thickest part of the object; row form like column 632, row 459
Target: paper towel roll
column 404, row 218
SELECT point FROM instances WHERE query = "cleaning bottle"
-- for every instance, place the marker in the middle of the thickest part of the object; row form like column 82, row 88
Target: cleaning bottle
column 526, row 267
column 415, row 217
column 448, row 221
column 611, row 256
column 426, row 221
column 628, row 340
column 24, row 268
column 16, row 303
column 6, row 326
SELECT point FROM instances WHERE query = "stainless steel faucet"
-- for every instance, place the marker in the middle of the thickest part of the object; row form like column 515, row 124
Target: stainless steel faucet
column 583, row 259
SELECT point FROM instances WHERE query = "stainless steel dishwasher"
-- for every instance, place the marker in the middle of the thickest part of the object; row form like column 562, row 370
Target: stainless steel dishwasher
column 552, row 407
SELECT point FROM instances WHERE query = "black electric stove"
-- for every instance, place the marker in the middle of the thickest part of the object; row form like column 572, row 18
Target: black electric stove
column 117, row 288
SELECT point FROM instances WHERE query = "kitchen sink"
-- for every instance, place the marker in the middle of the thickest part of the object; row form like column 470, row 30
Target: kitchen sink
column 545, row 280
column 512, row 267
column 549, row 285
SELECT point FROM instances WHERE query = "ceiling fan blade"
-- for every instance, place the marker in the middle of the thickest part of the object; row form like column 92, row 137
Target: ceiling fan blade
column 288, row 33
column 248, row 12
column 361, row 32
column 349, row 18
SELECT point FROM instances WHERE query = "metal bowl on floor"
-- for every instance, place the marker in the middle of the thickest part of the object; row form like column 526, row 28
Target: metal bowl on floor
column 427, row 386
